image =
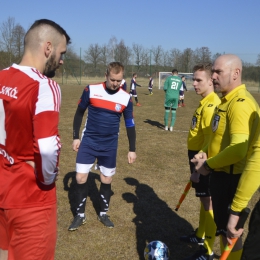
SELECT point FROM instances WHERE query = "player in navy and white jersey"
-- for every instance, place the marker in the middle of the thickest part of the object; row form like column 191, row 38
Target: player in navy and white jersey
column 106, row 102
column 123, row 85
column 133, row 91
column 150, row 85
column 183, row 87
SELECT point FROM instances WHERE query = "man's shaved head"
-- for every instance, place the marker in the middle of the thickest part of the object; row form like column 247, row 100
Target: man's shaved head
column 44, row 30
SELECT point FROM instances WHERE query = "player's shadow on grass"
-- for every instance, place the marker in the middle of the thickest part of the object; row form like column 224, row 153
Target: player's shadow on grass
column 154, row 123
column 69, row 182
column 156, row 221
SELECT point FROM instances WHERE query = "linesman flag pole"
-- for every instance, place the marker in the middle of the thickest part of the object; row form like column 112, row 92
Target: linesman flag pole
column 240, row 224
column 184, row 194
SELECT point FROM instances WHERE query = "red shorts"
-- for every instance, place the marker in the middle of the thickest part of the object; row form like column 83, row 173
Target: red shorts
column 29, row 233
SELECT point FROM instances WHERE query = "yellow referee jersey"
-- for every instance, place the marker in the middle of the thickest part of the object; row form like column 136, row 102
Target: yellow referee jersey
column 250, row 179
column 200, row 129
column 236, row 116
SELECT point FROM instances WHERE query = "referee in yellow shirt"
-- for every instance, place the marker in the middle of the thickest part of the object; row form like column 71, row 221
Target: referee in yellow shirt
column 198, row 138
column 233, row 127
column 248, row 184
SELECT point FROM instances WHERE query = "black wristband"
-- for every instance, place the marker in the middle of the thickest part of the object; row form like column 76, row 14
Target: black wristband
column 206, row 166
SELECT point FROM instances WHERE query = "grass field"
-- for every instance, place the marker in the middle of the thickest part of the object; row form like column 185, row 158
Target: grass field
column 145, row 193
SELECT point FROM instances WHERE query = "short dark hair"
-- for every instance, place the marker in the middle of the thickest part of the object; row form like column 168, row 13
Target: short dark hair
column 207, row 67
column 174, row 71
column 116, row 66
column 57, row 27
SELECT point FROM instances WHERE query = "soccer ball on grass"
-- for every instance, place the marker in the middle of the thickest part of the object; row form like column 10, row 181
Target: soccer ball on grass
column 156, row 250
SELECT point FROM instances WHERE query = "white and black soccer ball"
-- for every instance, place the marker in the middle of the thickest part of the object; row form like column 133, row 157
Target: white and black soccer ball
column 156, row 250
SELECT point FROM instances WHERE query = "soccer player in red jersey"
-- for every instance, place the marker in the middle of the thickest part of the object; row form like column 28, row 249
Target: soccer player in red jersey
column 30, row 145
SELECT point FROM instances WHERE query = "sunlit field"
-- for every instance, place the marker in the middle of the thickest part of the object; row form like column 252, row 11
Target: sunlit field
column 145, row 194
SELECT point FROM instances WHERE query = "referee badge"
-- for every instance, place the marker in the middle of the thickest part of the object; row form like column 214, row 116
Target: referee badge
column 193, row 122
column 215, row 123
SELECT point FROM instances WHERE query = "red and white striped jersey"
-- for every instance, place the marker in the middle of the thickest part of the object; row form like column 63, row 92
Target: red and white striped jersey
column 29, row 117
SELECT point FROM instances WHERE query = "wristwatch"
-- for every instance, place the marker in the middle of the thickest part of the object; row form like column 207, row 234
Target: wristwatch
column 206, row 166
column 237, row 213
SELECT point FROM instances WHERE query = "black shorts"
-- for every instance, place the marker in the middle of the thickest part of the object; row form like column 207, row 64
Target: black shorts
column 202, row 187
column 223, row 188
column 251, row 246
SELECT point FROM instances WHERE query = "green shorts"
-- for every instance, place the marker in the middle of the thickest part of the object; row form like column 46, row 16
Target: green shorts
column 171, row 102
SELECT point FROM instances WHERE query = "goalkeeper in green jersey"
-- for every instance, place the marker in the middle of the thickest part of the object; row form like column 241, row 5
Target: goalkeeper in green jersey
column 171, row 87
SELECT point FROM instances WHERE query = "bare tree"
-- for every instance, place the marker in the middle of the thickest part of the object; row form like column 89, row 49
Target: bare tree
column 7, row 37
column 112, row 47
column 175, row 58
column 18, row 41
column 72, row 65
column 166, row 62
column 258, row 60
column 122, row 53
column 187, row 60
column 157, row 55
column 202, row 55
column 92, row 55
column 137, row 53
column 146, row 60
column 104, row 52
column 215, row 56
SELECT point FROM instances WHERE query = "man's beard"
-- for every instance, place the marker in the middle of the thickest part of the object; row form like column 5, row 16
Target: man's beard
column 50, row 67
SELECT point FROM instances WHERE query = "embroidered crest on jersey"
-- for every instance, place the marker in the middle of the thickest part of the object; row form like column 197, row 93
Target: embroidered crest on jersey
column 193, row 122
column 118, row 107
column 215, row 123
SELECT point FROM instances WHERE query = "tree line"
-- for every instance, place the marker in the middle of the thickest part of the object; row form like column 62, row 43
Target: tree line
column 94, row 59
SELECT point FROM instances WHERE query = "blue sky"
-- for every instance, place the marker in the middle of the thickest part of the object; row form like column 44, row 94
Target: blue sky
column 223, row 26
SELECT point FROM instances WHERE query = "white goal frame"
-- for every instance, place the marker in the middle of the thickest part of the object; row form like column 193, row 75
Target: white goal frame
column 167, row 74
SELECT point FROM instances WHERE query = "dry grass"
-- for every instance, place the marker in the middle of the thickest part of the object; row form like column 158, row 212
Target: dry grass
column 145, row 194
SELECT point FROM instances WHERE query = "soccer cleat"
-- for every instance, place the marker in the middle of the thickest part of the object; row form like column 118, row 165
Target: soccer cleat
column 200, row 255
column 171, row 128
column 192, row 238
column 77, row 221
column 166, row 128
column 106, row 221
column 179, row 105
column 151, row 93
column 138, row 104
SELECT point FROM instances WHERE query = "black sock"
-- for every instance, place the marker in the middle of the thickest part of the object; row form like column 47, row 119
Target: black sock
column 105, row 194
column 81, row 197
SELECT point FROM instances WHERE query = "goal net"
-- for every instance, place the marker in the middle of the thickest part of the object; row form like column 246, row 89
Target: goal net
column 164, row 75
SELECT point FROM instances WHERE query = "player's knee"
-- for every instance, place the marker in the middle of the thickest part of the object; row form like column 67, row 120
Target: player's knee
column 105, row 179
column 81, row 178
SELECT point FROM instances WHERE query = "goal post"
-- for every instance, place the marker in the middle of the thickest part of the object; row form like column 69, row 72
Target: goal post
column 163, row 75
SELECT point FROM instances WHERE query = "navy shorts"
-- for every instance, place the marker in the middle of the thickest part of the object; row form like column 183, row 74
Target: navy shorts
column 86, row 157
column 133, row 92
column 202, row 187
